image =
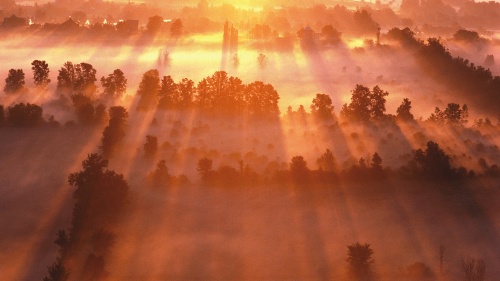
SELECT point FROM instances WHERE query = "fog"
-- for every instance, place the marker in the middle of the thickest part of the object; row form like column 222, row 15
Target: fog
column 274, row 177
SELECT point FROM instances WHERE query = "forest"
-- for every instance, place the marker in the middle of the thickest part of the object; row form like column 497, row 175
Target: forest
column 249, row 141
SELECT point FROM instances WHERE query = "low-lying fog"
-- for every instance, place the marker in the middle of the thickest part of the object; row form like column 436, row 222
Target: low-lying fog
column 288, row 232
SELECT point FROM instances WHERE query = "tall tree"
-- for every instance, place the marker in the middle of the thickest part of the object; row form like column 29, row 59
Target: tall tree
column 168, row 95
column 115, row 84
column 65, row 78
column 85, row 78
column 154, row 24
column 148, row 90
column 365, row 105
column 40, row 74
column 434, row 162
column 114, row 133
column 204, row 168
column 176, row 28
column 322, row 107
column 150, row 146
column 403, row 111
column 377, row 107
column 262, row 100
column 186, row 91
column 220, row 93
column 14, row 83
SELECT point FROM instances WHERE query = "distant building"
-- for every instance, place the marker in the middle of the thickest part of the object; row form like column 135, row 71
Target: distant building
column 69, row 25
column 14, row 22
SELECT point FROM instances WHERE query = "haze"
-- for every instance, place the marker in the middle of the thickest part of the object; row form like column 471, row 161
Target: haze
column 256, row 140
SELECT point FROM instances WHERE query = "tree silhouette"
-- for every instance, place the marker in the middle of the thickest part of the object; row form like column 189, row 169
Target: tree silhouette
column 298, row 169
column 57, row 272
column 85, row 78
column 204, row 168
column 261, row 100
column 331, row 36
column 359, row 108
column 403, row 111
column 322, row 107
column 434, row 162
column 176, row 28
column 79, row 79
column 24, row 115
column 151, row 146
column 359, row 260
column 168, row 94
column 327, row 161
column 377, row 107
column 221, row 93
column 365, row 105
column 100, row 196
column 114, row 133
column 148, row 90
column 160, row 177
column 376, row 162
column 14, row 83
column 86, row 112
column 154, row 24
column 40, row 74
column 114, row 85
column 453, row 114
column 186, row 91
column 364, row 22
column 65, row 78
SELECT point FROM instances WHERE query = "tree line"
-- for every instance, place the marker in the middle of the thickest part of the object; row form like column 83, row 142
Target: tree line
column 463, row 76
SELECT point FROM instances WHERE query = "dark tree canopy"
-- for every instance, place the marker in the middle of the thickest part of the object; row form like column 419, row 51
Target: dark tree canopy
column 466, row 35
column 221, row 93
column 114, row 133
column 176, row 28
column 86, row 112
column 154, row 24
column 40, row 73
column 453, row 114
column 14, row 83
column 114, row 85
column 148, row 90
column 364, row 23
column 359, row 260
column 57, row 271
column 150, row 146
column 403, row 111
column 327, row 162
column 168, row 94
column 79, row 79
column 298, row 169
column 330, row 35
column 204, row 168
column 24, row 115
column 322, row 107
column 434, row 162
column 365, row 105
column 261, row 100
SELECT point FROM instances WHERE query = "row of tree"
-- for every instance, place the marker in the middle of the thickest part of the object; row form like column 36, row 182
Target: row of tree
column 431, row 163
column 218, row 94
